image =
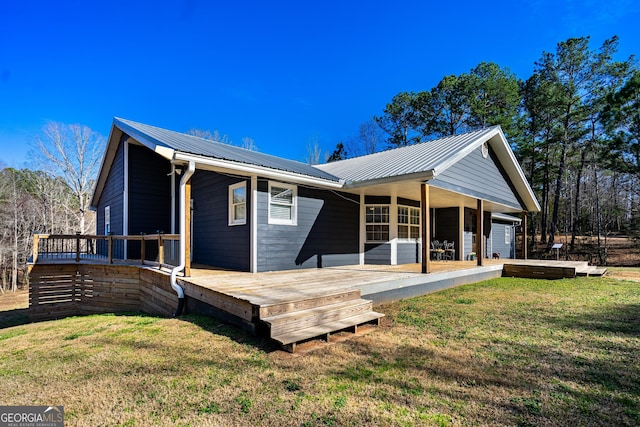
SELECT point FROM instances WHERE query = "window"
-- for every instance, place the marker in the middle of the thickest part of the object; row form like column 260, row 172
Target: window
column 408, row 223
column 282, row 203
column 238, row 204
column 507, row 235
column 107, row 220
column 377, row 223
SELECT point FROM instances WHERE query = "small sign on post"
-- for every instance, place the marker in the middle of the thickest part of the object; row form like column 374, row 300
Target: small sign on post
column 557, row 247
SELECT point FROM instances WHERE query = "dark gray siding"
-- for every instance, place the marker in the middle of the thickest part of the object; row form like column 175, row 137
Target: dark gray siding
column 447, row 224
column 498, row 239
column 149, row 198
column 409, row 252
column 326, row 235
column 112, row 195
column 479, row 177
column 149, row 192
column 377, row 253
column 216, row 243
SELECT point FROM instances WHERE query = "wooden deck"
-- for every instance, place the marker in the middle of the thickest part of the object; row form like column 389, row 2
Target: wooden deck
column 296, row 305
column 286, row 306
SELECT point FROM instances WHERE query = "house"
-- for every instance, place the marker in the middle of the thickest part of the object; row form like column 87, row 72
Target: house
column 254, row 212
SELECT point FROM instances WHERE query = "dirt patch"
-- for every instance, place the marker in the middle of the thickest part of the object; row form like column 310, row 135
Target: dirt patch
column 619, row 251
column 14, row 300
column 624, row 274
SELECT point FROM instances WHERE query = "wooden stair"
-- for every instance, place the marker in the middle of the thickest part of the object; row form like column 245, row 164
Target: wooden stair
column 317, row 316
column 550, row 269
column 591, row 271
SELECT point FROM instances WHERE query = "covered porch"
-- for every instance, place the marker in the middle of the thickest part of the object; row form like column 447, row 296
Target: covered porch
column 444, row 228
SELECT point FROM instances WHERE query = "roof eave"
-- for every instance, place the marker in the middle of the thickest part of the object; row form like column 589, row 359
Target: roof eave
column 416, row 176
column 145, row 140
column 255, row 170
column 107, row 159
column 516, row 173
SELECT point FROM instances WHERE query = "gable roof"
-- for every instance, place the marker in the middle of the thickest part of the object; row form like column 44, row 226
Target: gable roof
column 426, row 160
column 179, row 146
column 167, row 143
column 419, row 162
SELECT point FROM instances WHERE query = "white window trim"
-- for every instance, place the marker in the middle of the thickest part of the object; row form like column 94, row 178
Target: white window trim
column 507, row 235
column 107, row 220
column 408, row 224
column 382, row 205
column 232, row 219
column 294, row 207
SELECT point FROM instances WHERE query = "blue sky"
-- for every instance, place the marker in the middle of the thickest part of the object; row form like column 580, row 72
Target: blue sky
column 283, row 73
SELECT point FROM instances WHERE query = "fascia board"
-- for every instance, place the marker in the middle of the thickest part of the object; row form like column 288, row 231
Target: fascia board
column 143, row 139
column 417, row 176
column 249, row 170
column 515, row 172
column 107, row 160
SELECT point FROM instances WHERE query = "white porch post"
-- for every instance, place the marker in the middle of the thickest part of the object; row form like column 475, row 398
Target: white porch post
column 426, row 228
column 480, row 232
column 393, row 228
column 524, row 235
column 254, row 225
column 363, row 228
column 460, row 248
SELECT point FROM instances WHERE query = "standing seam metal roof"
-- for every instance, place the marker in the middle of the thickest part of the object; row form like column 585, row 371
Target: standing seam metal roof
column 199, row 146
column 427, row 156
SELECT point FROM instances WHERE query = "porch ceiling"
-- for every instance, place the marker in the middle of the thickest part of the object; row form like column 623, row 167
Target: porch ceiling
column 438, row 197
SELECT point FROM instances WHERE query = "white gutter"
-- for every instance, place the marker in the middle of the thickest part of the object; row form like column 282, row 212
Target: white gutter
column 248, row 169
column 183, row 243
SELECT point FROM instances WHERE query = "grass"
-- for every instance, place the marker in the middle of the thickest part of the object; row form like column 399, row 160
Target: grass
column 501, row 352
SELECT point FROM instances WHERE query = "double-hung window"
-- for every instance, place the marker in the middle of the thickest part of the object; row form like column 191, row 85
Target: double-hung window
column 282, row 203
column 408, row 223
column 377, row 223
column 238, row 204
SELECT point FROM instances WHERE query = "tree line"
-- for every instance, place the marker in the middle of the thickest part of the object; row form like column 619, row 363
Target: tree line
column 574, row 125
column 51, row 198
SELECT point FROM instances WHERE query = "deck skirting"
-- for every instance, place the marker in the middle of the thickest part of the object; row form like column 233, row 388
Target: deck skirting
column 288, row 307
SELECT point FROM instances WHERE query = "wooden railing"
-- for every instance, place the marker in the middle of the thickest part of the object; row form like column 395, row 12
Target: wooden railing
column 154, row 249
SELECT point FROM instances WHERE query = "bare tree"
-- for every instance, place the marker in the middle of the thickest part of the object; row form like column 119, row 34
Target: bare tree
column 314, row 152
column 249, row 144
column 73, row 153
column 211, row 136
column 19, row 215
column 370, row 137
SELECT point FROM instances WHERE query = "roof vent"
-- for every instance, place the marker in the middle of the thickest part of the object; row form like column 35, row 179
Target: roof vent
column 485, row 150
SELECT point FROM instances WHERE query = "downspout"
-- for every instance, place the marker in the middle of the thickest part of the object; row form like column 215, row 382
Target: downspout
column 183, row 243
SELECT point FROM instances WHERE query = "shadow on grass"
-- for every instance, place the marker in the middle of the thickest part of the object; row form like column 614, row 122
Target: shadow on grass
column 234, row 333
column 616, row 319
column 16, row 317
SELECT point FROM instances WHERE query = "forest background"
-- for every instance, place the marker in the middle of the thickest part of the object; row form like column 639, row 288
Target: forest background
column 574, row 125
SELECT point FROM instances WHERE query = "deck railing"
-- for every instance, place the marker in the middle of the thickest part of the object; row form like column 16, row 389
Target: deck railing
column 153, row 249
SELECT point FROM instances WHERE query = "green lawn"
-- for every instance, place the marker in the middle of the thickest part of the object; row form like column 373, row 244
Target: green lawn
column 501, row 352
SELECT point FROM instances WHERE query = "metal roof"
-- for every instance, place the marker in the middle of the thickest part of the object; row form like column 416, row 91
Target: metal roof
column 420, row 162
column 431, row 156
column 155, row 137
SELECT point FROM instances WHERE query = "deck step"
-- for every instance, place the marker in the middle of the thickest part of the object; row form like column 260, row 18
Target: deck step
column 536, row 271
column 592, row 271
column 323, row 298
column 286, row 323
column 289, row 339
